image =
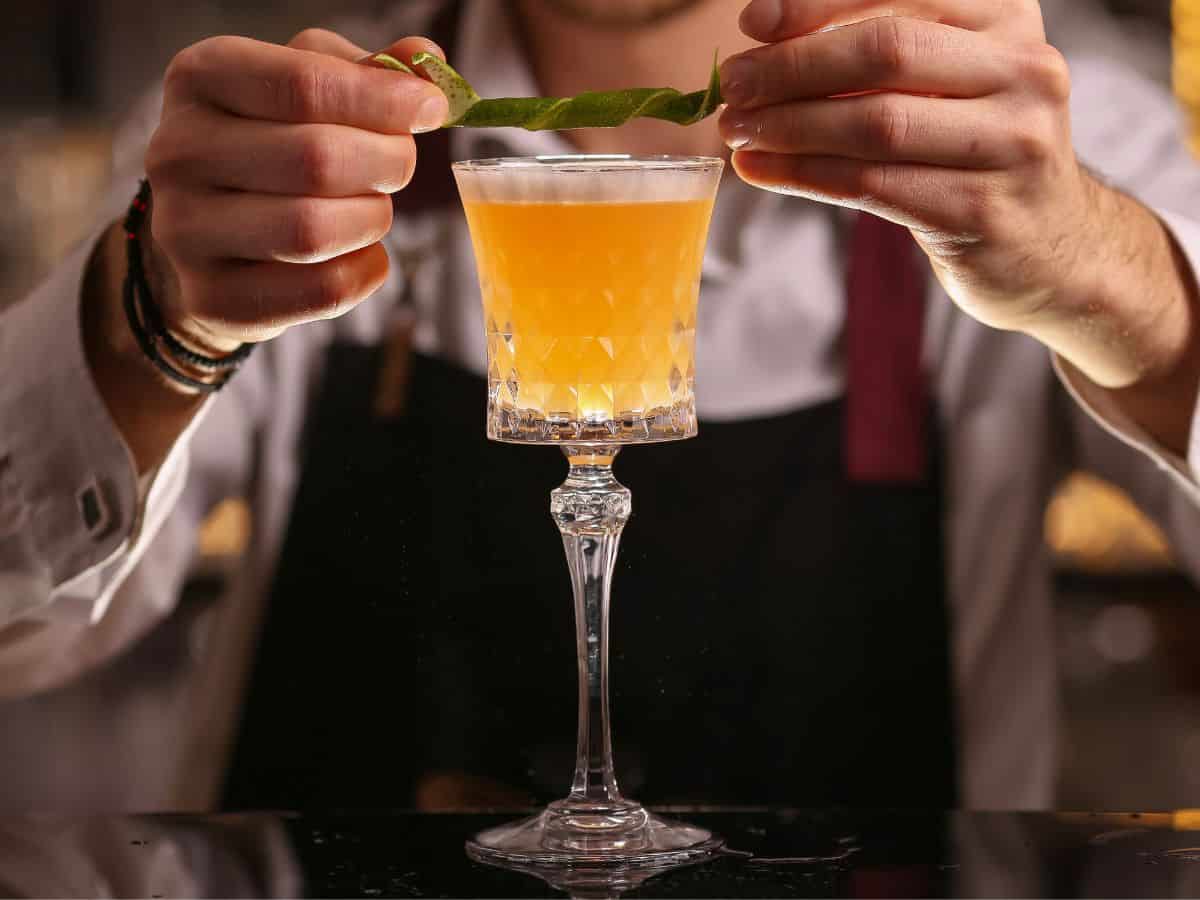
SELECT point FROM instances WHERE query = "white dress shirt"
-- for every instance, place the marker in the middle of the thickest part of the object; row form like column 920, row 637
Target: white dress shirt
column 113, row 697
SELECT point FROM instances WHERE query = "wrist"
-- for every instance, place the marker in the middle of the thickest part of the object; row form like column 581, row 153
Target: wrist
column 147, row 410
column 1129, row 320
column 114, row 355
column 186, row 366
column 165, row 288
column 1122, row 306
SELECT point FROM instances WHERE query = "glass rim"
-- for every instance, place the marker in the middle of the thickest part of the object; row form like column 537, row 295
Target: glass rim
column 593, row 162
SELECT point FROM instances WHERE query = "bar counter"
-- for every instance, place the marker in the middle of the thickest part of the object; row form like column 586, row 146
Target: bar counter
column 769, row 853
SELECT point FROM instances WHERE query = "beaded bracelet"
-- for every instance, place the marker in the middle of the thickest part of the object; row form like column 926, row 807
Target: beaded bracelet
column 146, row 320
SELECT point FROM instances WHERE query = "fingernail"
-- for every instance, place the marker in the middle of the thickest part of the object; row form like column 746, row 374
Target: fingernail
column 430, row 115
column 738, row 132
column 737, row 80
column 761, row 18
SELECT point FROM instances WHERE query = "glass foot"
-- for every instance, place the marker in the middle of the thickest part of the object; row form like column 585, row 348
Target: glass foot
column 590, row 840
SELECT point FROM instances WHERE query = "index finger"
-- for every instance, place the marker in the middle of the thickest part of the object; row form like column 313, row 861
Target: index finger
column 321, row 40
column 775, row 20
column 406, row 48
column 258, row 80
column 885, row 54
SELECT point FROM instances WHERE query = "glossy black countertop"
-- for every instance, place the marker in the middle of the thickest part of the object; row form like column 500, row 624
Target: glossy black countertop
column 771, row 853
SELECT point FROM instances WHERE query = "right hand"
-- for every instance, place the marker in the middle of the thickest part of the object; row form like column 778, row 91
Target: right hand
column 271, row 171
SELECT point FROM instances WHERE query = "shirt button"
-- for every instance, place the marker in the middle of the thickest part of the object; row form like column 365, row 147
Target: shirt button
column 94, row 510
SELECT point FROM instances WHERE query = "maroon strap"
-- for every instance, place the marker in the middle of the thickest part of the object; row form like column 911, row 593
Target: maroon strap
column 887, row 396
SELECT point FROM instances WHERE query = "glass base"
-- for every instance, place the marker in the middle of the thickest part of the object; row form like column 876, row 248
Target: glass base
column 605, row 845
column 528, row 426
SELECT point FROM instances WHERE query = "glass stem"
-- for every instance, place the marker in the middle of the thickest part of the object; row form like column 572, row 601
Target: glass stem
column 591, row 508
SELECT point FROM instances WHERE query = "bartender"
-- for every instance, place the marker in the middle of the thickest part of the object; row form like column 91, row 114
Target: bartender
column 945, row 267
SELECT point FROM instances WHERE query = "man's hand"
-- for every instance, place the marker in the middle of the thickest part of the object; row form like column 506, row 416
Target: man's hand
column 271, row 171
column 957, row 126
column 951, row 117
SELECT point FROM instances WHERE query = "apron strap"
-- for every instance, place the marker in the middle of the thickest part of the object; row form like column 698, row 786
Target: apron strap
column 887, row 391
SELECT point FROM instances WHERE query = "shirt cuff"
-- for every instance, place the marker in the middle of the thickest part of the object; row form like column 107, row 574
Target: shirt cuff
column 69, row 493
column 1099, row 404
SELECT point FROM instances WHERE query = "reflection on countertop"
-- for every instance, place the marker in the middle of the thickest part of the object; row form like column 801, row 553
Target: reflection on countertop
column 769, row 853
column 245, row 855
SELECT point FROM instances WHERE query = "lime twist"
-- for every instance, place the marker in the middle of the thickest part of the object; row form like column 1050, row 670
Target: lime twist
column 593, row 109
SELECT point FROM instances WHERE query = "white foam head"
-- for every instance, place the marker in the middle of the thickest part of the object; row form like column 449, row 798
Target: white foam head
column 588, row 179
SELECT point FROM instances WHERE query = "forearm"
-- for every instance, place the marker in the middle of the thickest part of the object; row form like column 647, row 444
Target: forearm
column 1125, row 316
column 149, row 412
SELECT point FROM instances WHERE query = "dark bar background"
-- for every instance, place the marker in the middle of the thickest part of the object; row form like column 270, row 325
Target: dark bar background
column 1128, row 624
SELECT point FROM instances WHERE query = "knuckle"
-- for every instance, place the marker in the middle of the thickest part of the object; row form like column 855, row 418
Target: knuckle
column 192, row 62
column 310, row 231
column 872, row 183
column 798, row 58
column 780, row 129
column 161, row 155
column 180, row 151
column 1046, row 69
column 183, row 71
column 1032, row 145
column 893, row 45
column 981, row 218
column 310, row 38
column 301, row 90
column 331, row 289
column 320, row 162
column 749, row 65
column 885, row 126
column 217, row 47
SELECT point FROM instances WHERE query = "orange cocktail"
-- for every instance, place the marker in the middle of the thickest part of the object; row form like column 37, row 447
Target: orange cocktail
column 590, row 312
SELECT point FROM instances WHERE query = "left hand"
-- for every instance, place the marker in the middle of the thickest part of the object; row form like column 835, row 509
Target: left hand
column 947, row 116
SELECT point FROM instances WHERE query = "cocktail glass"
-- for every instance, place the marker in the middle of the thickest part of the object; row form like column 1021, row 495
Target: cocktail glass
column 590, row 273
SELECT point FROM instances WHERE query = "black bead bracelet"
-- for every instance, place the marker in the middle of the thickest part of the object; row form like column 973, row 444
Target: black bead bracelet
column 146, row 320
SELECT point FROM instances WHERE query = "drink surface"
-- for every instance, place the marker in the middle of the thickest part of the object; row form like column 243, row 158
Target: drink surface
column 590, row 310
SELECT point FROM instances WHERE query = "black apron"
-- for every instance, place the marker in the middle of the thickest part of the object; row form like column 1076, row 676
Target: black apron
column 779, row 634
